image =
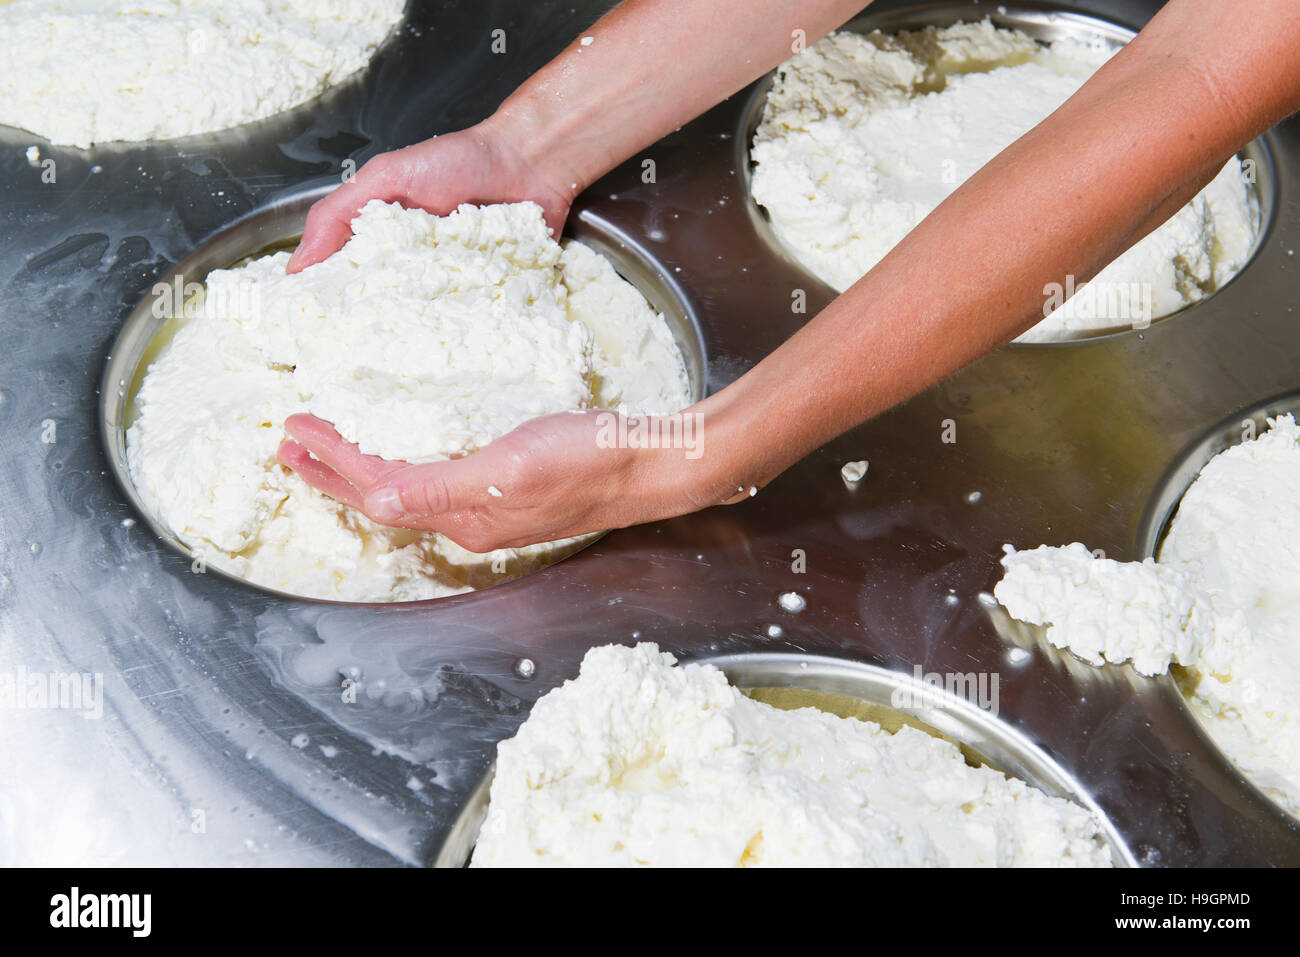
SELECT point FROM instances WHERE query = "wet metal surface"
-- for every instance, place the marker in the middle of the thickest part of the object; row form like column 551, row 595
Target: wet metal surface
column 1063, row 443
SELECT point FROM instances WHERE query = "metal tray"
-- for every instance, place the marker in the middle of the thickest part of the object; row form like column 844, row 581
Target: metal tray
column 1063, row 442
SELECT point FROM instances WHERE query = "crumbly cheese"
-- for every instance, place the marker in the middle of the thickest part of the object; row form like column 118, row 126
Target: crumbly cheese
column 1106, row 611
column 863, row 136
column 640, row 762
column 80, row 72
column 423, row 339
column 1223, row 601
column 853, row 472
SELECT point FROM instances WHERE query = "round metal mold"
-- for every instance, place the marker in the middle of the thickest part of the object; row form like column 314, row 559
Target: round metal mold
column 1160, row 512
column 978, row 732
column 279, row 226
column 1045, row 24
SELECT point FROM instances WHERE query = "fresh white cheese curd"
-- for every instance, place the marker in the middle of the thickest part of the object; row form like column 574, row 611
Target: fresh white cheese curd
column 1223, row 601
column 641, row 762
column 862, row 136
column 80, row 72
column 424, row 338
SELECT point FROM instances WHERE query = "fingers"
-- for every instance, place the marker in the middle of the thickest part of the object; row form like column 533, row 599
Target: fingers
column 329, row 222
column 318, row 475
column 344, row 457
column 416, row 501
column 413, row 500
column 556, row 212
column 420, row 496
column 391, row 493
column 329, row 226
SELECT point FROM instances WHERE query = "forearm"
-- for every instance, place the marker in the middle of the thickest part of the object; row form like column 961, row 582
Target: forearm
column 1126, row 152
column 651, row 66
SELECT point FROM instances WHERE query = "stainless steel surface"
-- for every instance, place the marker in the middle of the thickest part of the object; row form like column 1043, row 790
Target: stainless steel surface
column 994, row 742
column 1064, row 442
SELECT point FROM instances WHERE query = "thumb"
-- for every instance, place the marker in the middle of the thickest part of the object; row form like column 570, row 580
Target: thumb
column 417, row 494
column 329, row 227
column 384, row 505
column 555, row 213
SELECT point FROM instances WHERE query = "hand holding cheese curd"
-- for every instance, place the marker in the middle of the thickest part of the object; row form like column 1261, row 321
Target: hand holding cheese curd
column 1117, row 159
column 438, row 175
column 548, row 476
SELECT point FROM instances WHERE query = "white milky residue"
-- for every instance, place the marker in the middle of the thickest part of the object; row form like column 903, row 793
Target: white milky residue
column 792, row 601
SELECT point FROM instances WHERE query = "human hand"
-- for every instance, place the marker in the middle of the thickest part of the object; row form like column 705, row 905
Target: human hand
column 553, row 477
column 477, row 165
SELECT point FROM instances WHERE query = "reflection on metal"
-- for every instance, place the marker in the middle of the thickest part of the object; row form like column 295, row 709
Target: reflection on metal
column 209, row 682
